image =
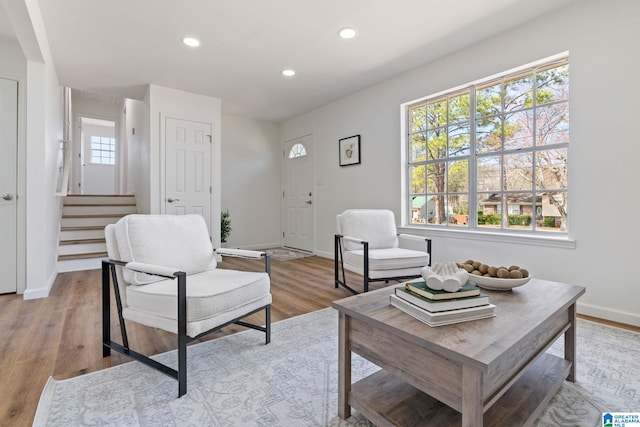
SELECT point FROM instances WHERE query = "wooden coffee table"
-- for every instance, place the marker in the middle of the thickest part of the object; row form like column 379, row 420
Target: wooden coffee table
column 483, row 372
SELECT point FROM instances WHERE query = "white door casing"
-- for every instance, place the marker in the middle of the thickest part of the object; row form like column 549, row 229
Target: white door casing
column 298, row 209
column 8, row 184
column 188, row 165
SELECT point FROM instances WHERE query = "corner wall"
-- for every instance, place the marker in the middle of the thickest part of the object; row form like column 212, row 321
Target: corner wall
column 251, row 184
column 601, row 40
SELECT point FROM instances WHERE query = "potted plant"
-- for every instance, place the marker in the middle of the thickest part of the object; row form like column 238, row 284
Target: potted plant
column 225, row 226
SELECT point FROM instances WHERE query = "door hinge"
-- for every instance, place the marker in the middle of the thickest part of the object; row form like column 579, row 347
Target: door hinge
column 210, row 190
column 283, row 234
column 210, row 139
column 283, row 194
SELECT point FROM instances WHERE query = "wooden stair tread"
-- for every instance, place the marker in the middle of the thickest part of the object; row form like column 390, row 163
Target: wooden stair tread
column 86, row 205
column 82, row 256
column 106, row 215
column 82, row 241
column 100, row 195
column 82, row 228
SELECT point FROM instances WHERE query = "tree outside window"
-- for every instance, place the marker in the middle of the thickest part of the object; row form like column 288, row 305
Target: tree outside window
column 493, row 155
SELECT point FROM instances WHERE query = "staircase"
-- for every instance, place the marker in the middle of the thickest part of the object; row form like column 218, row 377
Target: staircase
column 82, row 245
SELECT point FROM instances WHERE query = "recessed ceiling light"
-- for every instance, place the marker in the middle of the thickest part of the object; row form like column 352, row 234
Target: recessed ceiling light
column 191, row 41
column 288, row 73
column 347, row 33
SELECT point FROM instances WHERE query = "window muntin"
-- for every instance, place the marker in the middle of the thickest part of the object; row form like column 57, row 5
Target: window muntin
column 103, row 150
column 502, row 143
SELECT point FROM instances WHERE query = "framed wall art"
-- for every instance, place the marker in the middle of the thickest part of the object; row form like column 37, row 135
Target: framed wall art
column 349, row 150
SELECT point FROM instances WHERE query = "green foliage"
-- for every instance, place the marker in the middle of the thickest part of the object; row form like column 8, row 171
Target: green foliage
column 225, row 225
column 549, row 221
column 488, row 219
column 519, row 219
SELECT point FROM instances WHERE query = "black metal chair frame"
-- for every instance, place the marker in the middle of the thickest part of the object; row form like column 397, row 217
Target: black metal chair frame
column 109, row 276
column 338, row 266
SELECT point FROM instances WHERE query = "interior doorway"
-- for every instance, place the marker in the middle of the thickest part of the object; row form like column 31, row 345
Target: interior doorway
column 98, row 158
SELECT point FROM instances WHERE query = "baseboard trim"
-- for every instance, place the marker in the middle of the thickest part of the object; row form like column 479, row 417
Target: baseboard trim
column 608, row 314
column 43, row 292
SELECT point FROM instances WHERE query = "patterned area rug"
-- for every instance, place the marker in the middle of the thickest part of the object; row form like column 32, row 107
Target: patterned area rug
column 238, row 381
column 287, row 254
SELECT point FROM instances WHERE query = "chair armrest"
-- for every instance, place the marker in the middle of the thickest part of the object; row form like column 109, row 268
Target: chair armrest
column 156, row 270
column 244, row 253
column 416, row 243
column 353, row 239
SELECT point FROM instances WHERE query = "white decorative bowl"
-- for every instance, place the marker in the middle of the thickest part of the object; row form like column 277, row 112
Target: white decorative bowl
column 496, row 284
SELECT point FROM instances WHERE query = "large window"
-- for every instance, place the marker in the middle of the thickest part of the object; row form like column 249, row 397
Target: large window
column 492, row 155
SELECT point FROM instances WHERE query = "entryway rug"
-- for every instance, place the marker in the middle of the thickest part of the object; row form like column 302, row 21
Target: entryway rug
column 236, row 380
column 287, row 254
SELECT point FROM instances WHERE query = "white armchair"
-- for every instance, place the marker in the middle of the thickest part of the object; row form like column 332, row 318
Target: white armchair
column 367, row 243
column 164, row 275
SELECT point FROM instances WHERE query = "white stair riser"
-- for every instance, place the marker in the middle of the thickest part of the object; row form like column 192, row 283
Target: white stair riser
column 97, row 210
column 79, row 264
column 82, row 248
column 81, row 234
column 87, row 222
column 99, row 200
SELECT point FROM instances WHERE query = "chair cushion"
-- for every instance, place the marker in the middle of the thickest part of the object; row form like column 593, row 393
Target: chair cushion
column 387, row 259
column 209, row 294
column 175, row 241
column 376, row 226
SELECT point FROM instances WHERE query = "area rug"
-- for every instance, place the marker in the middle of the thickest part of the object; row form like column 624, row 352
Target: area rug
column 236, row 380
column 287, row 254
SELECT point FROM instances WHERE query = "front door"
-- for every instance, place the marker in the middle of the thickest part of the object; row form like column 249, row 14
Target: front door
column 8, row 184
column 188, row 168
column 298, row 193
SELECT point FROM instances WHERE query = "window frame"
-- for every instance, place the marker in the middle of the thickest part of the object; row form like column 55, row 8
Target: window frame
column 472, row 226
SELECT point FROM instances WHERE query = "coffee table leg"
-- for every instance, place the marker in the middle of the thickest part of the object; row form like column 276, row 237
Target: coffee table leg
column 471, row 397
column 570, row 343
column 344, row 367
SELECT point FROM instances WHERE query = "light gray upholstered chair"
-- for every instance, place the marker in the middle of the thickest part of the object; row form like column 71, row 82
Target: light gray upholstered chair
column 367, row 243
column 164, row 275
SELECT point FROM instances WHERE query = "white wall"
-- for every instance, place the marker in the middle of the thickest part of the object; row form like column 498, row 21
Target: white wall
column 43, row 114
column 13, row 64
column 165, row 102
column 251, row 189
column 137, row 143
column 601, row 38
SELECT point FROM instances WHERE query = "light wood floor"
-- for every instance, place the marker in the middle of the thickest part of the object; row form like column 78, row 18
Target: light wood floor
column 60, row 336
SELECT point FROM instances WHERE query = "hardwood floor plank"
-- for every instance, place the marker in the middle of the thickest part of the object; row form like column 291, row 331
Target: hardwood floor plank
column 61, row 335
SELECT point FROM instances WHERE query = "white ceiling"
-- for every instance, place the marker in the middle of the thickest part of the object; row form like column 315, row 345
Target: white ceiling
column 117, row 47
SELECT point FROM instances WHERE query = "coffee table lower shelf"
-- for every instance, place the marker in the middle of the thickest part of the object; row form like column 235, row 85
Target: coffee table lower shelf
column 386, row 400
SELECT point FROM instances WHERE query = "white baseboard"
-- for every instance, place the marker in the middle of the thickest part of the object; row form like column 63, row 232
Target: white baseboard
column 608, row 314
column 35, row 293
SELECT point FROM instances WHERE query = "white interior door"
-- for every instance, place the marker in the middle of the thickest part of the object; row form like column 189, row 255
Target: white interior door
column 8, row 184
column 188, row 168
column 298, row 193
column 98, row 156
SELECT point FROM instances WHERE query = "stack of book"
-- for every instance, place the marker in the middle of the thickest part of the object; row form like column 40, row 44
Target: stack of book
column 437, row 308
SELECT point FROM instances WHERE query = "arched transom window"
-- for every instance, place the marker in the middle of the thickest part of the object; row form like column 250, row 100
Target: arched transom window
column 297, row 150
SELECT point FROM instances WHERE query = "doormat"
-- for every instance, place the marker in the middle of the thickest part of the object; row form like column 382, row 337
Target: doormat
column 287, row 254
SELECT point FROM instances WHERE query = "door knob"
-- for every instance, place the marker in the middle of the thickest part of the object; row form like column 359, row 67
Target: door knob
column 170, row 200
column 7, row 196
column 308, row 202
